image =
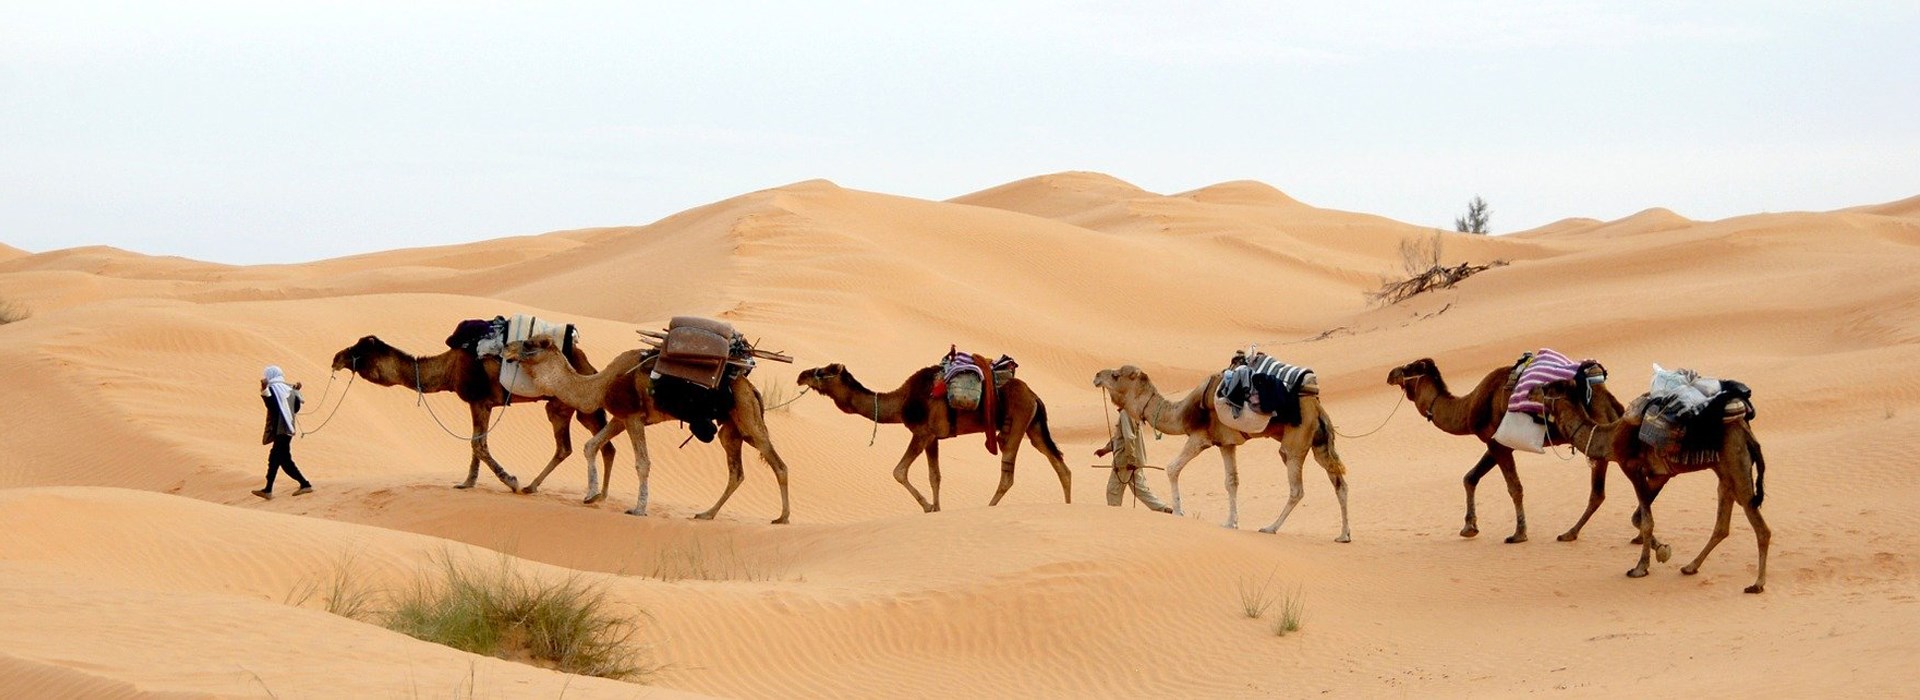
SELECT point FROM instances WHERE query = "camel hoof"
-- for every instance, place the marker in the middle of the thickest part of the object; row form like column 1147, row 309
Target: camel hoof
column 1469, row 531
column 595, row 498
column 702, row 516
column 638, row 512
column 1568, row 537
column 1343, row 539
column 1230, row 525
column 1756, row 588
column 464, row 485
column 1663, row 553
column 782, row 520
column 929, row 509
column 529, row 490
column 1168, row 511
column 1270, row 530
column 1636, row 573
column 1517, row 538
column 1635, row 540
column 1688, row 570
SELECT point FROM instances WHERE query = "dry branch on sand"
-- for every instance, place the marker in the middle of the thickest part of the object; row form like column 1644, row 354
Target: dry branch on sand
column 1420, row 262
column 1430, row 279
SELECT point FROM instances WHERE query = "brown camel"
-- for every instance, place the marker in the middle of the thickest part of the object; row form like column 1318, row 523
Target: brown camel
column 1022, row 414
column 625, row 390
column 1478, row 414
column 1741, row 468
column 1193, row 416
column 477, row 382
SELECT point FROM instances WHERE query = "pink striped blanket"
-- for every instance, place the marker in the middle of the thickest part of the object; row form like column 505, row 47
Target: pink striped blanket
column 1546, row 366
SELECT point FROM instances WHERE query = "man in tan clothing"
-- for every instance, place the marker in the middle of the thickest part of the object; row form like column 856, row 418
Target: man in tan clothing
column 1129, row 452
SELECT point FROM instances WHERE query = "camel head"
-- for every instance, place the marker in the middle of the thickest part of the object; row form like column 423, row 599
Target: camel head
column 1125, row 385
column 818, row 377
column 1566, row 402
column 532, row 351
column 360, row 353
column 1405, row 375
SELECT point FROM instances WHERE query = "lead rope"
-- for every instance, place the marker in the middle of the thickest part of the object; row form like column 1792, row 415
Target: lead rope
column 1383, row 423
column 336, row 407
column 1571, row 450
column 876, row 421
column 796, row 397
column 420, row 399
column 324, row 393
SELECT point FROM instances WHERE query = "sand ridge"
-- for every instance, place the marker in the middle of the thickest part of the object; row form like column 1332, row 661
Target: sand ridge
column 124, row 477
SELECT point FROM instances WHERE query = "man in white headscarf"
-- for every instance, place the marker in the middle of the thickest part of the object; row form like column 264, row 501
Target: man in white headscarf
column 283, row 405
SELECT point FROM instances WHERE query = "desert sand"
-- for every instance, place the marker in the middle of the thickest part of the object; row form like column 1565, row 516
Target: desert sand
column 136, row 564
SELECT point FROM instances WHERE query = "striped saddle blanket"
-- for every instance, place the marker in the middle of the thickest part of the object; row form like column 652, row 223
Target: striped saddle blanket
column 1264, row 387
column 1541, row 367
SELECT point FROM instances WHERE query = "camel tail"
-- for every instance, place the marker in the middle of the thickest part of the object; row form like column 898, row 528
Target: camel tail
column 1046, row 435
column 1760, row 472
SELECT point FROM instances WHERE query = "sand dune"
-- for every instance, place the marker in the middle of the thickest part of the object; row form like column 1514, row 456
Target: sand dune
column 125, row 469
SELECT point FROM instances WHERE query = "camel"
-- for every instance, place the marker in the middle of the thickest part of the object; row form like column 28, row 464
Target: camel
column 1478, row 414
column 625, row 390
column 477, row 382
column 1022, row 414
column 1193, row 416
column 1740, row 465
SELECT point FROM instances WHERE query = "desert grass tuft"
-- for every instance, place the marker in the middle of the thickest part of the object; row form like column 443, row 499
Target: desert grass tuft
column 570, row 625
column 11, row 312
column 1293, row 613
column 1256, row 595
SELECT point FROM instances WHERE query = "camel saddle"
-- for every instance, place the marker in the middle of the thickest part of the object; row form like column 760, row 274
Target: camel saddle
column 697, row 350
column 1687, row 426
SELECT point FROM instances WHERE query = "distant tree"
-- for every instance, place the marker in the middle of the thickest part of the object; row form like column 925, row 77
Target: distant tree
column 1476, row 219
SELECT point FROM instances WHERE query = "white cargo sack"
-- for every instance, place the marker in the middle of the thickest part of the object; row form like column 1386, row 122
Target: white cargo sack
column 1521, row 431
column 1249, row 421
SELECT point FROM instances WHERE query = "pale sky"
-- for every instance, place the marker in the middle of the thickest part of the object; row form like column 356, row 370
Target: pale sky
column 249, row 132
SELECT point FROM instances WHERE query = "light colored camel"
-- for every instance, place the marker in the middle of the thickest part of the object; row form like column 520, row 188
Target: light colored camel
column 912, row 404
column 1741, row 467
column 1478, row 414
column 1193, row 416
column 477, row 382
column 625, row 390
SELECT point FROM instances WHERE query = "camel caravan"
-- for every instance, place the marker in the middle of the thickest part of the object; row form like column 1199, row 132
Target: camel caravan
column 696, row 372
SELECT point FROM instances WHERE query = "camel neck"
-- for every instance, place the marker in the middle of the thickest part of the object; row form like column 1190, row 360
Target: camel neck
column 1160, row 413
column 858, row 400
column 554, row 375
column 1447, row 412
column 426, row 374
column 1592, row 439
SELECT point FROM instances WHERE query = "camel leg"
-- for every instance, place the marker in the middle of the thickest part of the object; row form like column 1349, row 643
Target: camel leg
column 914, row 447
column 560, row 416
column 1195, row 445
column 1645, row 496
column 1512, row 475
column 1337, row 473
column 1009, row 448
column 1594, row 497
column 756, row 435
column 480, row 450
column 933, row 473
column 595, row 493
column 1296, row 486
column 1230, row 465
column 1037, row 438
column 1722, row 524
column 736, row 472
column 473, row 464
column 1762, row 536
column 1472, row 482
column 642, row 463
